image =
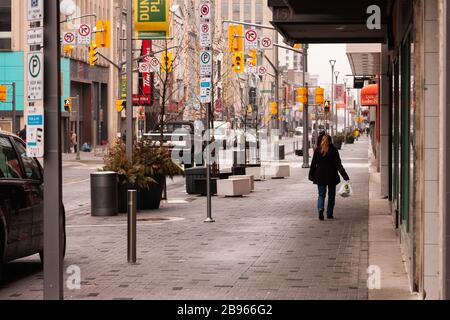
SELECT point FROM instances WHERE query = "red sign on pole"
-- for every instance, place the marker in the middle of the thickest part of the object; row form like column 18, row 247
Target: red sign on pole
column 146, row 77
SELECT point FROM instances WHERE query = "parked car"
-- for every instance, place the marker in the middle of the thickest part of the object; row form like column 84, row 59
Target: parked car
column 21, row 202
column 176, row 135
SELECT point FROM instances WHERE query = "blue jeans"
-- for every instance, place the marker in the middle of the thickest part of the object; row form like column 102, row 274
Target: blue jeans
column 331, row 198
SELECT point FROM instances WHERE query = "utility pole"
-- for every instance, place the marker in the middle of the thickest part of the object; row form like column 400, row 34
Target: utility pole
column 119, row 71
column 53, row 253
column 305, row 112
column 277, row 83
column 129, row 110
column 78, row 127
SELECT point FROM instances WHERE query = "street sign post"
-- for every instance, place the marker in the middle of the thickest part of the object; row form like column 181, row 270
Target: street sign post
column 205, row 35
column 84, row 34
column 205, row 90
column 251, row 39
column 35, row 37
column 144, row 67
column 69, row 38
column 35, row 10
column 206, row 64
column 205, row 10
column 262, row 71
column 266, row 43
column 154, row 65
column 35, row 69
column 35, row 132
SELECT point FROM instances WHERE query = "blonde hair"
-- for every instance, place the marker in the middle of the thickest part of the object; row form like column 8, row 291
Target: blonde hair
column 325, row 145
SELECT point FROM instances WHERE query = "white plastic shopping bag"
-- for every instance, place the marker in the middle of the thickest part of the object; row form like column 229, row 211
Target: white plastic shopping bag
column 345, row 190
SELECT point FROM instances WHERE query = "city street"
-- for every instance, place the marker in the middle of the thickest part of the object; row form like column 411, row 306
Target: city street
column 269, row 245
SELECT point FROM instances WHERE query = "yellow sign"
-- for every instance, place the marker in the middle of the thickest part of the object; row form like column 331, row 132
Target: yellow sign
column 120, row 105
column 103, row 34
column 3, row 93
column 151, row 18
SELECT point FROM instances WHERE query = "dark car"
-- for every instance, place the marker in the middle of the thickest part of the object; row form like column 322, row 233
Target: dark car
column 176, row 135
column 21, row 202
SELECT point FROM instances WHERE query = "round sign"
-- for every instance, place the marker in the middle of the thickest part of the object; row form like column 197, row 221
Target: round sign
column 266, row 42
column 154, row 62
column 205, row 28
column 84, row 30
column 262, row 71
column 206, row 57
column 34, row 66
column 204, row 10
column 145, row 68
column 251, row 35
column 69, row 37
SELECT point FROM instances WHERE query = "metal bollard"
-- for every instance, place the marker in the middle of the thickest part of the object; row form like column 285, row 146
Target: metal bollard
column 132, row 225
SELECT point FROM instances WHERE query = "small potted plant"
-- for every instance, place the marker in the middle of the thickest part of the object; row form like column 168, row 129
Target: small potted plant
column 350, row 139
column 130, row 175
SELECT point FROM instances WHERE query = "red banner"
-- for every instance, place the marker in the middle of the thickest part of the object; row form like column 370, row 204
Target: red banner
column 146, row 77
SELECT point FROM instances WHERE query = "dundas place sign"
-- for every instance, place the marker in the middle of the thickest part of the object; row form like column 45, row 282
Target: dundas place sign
column 151, row 18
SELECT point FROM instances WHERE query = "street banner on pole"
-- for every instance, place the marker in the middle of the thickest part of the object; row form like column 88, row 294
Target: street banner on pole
column 151, row 18
column 339, row 94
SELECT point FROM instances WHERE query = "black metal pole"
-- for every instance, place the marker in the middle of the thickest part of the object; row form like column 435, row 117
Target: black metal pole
column 53, row 259
column 14, row 115
column 130, row 131
column 306, row 115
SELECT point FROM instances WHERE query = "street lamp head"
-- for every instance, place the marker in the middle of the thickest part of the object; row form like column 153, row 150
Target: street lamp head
column 332, row 63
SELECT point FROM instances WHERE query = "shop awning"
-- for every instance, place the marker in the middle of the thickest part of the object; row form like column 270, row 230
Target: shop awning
column 369, row 95
column 330, row 21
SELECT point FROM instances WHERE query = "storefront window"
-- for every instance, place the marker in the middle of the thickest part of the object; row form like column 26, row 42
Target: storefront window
column 5, row 25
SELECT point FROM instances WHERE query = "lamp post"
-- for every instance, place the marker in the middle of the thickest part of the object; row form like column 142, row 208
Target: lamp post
column 345, row 107
column 332, row 63
column 336, row 74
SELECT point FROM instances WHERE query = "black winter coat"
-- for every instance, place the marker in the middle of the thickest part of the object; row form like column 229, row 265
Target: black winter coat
column 324, row 169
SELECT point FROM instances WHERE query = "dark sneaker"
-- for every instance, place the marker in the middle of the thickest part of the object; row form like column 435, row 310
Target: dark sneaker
column 330, row 218
column 321, row 216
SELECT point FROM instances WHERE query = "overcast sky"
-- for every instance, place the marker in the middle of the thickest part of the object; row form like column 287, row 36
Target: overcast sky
column 319, row 57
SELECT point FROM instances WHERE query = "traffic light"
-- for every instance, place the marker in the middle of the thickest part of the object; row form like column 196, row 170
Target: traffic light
column 235, row 38
column 3, row 93
column 238, row 62
column 121, row 105
column 68, row 105
column 103, row 33
column 93, row 54
column 327, row 106
column 302, row 95
column 253, row 57
column 320, row 95
column 274, row 108
column 167, row 61
column 68, row 48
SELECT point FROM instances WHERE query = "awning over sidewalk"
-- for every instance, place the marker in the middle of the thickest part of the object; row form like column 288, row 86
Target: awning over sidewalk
column 369, row 95
column 330, row 21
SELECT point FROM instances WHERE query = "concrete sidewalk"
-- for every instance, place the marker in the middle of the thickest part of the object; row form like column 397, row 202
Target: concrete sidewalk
column 269, row 245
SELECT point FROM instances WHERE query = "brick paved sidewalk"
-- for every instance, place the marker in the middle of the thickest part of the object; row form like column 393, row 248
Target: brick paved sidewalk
column 269, row 245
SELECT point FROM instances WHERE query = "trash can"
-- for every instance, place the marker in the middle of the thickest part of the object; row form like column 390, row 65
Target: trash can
column 191, row 175
column 282, row 152
column 104, row 194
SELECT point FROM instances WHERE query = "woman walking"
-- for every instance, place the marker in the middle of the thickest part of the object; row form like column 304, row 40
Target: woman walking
column 324, row 170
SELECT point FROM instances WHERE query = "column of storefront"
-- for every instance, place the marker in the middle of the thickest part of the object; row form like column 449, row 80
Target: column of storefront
column 431, row 151
column 385, row 93
column 444, row 146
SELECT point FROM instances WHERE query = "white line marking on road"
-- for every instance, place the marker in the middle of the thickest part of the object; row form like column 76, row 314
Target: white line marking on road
column 76, row 182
